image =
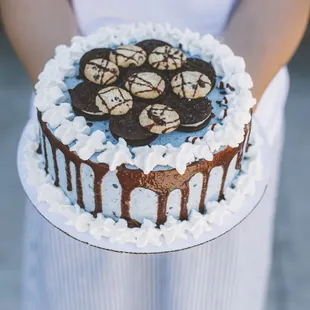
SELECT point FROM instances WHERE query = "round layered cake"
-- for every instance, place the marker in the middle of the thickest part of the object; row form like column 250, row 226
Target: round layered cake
column 144, row 122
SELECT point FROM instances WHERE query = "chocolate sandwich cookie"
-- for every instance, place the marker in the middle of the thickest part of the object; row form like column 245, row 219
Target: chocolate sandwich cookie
column 129, row 74
column 191, row 84
column 195, row 114
column 150, row 45
column 102, row 53
column 128, row 56
column 199, row 65
column 139, row 104
column 146, row 84
column 114, row 100
column 127, row 126
column 166, row 57
column 101, row 71
column 83, row 100
column 96, row 67
column 159, row 119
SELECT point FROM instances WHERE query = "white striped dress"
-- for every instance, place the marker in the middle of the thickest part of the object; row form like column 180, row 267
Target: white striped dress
column 229, row 273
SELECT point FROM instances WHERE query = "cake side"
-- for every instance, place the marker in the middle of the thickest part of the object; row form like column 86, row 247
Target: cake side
column 89, row 193
column 54, row 204
column 103, row 175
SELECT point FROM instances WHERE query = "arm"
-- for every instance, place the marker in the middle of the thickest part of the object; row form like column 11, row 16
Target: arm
column 35, row 28
column 266, row 33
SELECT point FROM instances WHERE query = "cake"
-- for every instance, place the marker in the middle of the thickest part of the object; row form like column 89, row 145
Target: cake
column 144, row 122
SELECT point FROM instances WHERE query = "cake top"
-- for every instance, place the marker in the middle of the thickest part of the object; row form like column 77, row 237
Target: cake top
column 147, row 96
column 139, row 92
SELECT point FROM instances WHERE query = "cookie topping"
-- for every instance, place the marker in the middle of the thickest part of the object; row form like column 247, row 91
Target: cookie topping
column 159, row 118
column 83, row 101
column 101, row 71
column 114, row 100
column 127, row 126
column 191, row 84
column 147, row 85
column 150, row 45
column 195, row 114
column 144, row 90
column 102, row 53
column 197, row 64
column 166, row 58
column 128, row 55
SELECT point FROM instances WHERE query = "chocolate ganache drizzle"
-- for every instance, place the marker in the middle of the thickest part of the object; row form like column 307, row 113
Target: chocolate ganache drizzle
column 161, row 182
column 178, row 85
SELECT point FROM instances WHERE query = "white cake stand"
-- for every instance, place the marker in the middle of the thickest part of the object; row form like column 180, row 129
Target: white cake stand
column 58, row 221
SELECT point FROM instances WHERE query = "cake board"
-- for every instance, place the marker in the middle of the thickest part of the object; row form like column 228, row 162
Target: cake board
column 222, row 262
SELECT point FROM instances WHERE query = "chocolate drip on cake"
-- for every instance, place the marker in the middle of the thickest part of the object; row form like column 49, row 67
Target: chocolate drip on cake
column 68, row 174
column 69, row 157
column 45, row 154
column 98, row 178
column 239, row 156
column 225, row 171
column 162, row 209
column 39, row 149
column 79, row 186
column 125, row 205
column 247, row 132
column 205, row 180
column 100, row 170
column 248, row 139
column 166, row 181
column 160, row 182
column 56, row 169
column 184, row 199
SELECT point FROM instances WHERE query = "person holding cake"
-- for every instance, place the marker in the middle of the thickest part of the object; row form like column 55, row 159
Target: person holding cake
column 174, row 86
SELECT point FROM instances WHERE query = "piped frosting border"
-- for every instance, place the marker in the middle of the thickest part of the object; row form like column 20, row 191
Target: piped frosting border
column 50, row 98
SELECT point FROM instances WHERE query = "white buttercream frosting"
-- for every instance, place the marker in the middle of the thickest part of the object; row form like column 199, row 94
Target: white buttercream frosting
column 202, row 150
column 232, row 68
column 147, row 235
column 48, row 97
column 179, row 157
column 50, row 82
column 86, row 146
column 64, row 60
column 115, row 154
column 147, row 158
column 197, row 224
column 174, row 230
column 58, row 114
column 68, row 131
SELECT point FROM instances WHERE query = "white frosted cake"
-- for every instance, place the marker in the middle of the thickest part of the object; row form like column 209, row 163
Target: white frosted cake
column 144, row 127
